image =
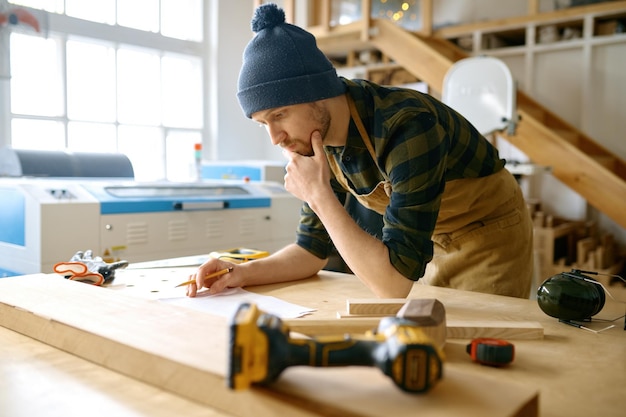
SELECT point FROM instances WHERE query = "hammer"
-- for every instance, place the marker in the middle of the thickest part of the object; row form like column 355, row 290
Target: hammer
column 261, row 349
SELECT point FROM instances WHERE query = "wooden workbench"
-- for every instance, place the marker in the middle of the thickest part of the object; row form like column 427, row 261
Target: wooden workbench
column 577, row 373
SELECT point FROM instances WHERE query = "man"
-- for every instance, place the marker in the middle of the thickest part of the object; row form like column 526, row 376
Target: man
column 453, row 216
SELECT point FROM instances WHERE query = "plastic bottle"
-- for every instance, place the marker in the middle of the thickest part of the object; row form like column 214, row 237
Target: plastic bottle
column 198, row 161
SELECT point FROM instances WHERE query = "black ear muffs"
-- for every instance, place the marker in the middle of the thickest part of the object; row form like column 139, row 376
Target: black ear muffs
column 571, row 296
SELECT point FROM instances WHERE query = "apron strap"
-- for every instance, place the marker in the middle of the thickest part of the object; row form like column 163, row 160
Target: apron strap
column 361, row 128
column 366, row 140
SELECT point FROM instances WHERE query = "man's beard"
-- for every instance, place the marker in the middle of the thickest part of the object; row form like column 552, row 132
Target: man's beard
column 321, row 116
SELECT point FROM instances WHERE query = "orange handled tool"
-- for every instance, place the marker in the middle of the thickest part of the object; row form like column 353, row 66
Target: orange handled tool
column 492, row 352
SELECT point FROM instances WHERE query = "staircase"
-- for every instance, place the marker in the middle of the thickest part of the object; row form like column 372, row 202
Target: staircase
column 575, row 159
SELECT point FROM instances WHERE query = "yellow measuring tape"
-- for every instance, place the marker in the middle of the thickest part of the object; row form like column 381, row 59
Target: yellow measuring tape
column 239, row 255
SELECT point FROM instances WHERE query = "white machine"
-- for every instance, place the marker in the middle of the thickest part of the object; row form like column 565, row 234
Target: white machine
column 45, row 221
column 482, row 89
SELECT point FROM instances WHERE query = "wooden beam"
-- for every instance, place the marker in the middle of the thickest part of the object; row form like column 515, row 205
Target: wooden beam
column 340, row 39
column 522, row 21
column 374, row 306
column 289, row 8
column 326, row 11
column 455, row 329
column 364, row 314
column 408, row 50
column 366, row 17
column 601, row 188
column 426, row 16
column 128, row 335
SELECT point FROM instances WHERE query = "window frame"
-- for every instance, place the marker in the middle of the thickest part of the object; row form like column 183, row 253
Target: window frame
column 64, row 28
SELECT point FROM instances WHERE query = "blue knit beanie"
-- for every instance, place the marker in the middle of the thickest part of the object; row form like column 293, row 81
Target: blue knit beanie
column 282, row 65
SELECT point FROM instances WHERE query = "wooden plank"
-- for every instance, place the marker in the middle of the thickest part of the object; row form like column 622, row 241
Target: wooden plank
column 414, row 54
column 364, row 313
column 513, row 330
column 538, row 18
column 175, row 349
column 185, row 352
column 374, row 306
column 455, row 329
column 426, row 17
column 39, row 380
column 584, row 247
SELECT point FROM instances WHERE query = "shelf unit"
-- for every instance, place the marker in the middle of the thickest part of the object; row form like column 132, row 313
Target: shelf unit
column 598, row 27
column 569, row 60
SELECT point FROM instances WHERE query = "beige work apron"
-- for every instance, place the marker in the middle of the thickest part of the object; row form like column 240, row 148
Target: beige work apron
column 483, row 235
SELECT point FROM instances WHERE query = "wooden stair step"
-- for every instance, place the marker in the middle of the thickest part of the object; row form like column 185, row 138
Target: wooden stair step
column 536, row 112
column 569, row 135
column 606, row 161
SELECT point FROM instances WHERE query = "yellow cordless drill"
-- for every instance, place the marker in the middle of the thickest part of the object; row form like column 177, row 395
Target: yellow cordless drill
column 261, row 348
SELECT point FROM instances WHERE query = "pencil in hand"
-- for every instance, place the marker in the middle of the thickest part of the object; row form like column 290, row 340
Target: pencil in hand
column 213, row 275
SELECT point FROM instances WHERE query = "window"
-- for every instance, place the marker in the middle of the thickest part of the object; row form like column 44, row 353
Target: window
column 109, row 76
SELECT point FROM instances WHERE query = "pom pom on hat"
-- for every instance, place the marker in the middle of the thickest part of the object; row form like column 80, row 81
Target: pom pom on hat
column 282, row 65
column 266, row 17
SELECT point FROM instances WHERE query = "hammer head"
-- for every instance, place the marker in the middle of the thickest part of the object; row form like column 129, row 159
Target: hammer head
column 424, row 312
column 430, row 315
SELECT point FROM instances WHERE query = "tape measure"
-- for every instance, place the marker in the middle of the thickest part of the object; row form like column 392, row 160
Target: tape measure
column 239, row 255
column 492, row 352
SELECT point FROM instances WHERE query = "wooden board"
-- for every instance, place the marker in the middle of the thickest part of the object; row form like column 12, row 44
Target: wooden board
column 455, row 329
column 40, row 380
column 364, row 313
column 374, row 306
column 185, row 352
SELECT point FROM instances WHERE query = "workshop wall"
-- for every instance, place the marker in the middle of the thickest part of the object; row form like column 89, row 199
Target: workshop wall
column 232, row 136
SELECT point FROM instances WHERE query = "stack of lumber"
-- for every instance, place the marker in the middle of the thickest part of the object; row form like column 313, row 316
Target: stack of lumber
column 561, row 245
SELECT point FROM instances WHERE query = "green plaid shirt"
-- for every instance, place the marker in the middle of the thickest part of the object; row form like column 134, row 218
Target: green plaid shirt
column 420, row 144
